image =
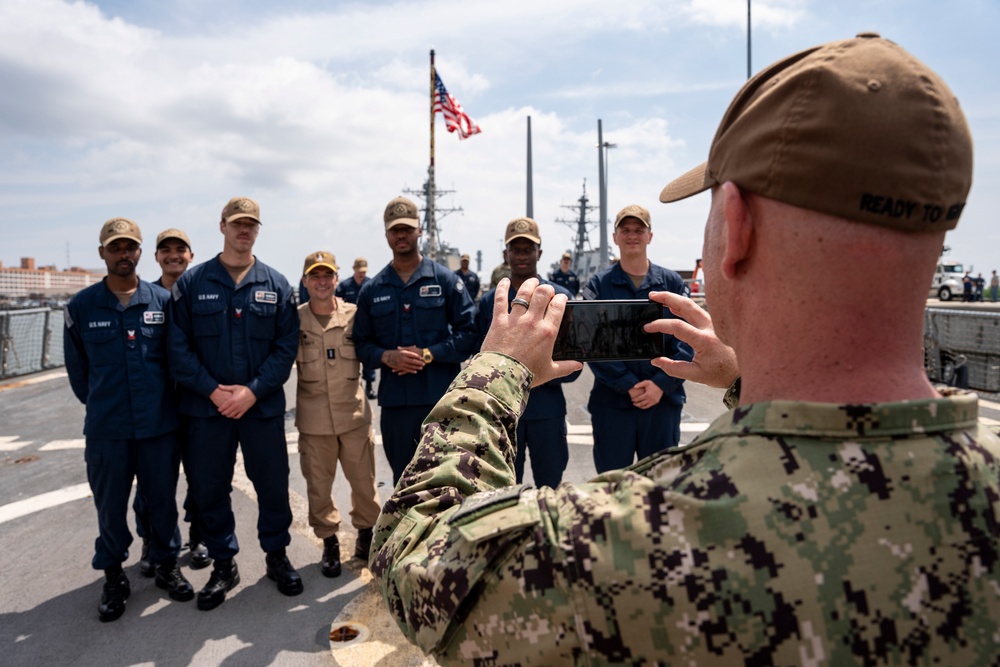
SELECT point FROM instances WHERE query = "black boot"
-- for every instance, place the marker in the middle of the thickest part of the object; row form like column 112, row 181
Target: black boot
column 330, row 563
column 280, row 569
column 225, row 577
column 369, row 390
column 199, row 552
column 115, row 593
column 364, row 544
column 170, row 579
column 145, row 565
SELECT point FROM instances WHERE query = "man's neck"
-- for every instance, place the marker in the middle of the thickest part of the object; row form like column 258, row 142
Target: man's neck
column 236, row 259
column 323, row 306
column 867, row 358
column 167, row 281
column 636, row 265
column 359, row 278
column 122, row 284
column 406, row 263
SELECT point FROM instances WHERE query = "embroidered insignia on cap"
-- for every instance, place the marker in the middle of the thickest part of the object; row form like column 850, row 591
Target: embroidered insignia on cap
column 120, row 226
column 245, row 205
column 399, row 209
column 521, row 226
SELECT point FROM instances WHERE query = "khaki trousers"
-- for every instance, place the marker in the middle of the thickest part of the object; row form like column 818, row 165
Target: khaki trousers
column 318, row 456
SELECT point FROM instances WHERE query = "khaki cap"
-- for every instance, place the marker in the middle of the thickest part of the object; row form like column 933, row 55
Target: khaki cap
column 464, row 257
column 320, row 258
column 120, row 228
column 241, row 207
column 172, row 233
column 858, row 129
column 401, row 211
column 522, row 228
column 567, row 255
column 633, row 211
column 361, row 264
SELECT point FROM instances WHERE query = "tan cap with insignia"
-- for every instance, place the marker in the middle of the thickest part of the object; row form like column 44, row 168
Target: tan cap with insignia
column 857, row 129
column 241, row 207
column 320, row 258
column 172, row 233
column 633, row 211
column 120, row 228
column 401, row 211
column 361, row 264
column 522, row 228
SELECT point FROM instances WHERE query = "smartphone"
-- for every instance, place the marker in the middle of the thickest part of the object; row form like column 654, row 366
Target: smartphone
column 608, row 331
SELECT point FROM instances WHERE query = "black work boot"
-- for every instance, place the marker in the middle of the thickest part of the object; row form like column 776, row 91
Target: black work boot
column 225, row 577
column 364, row 544
column 170, row 579
column 145, row 565
column 280, row 569
column 330, row 563
column 199, row 552
column 115, row 593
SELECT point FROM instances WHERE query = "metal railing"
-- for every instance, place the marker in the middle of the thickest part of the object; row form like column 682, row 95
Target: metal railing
column 30, row 340
column 962, row 347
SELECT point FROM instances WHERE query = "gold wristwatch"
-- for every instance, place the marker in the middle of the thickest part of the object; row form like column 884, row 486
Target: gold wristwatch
column 428, row 357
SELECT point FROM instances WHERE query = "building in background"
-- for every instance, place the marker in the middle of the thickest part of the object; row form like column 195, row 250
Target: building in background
column 45, row 281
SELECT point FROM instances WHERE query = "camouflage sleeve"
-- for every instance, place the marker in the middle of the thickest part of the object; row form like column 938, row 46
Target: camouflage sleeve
column 467, row 446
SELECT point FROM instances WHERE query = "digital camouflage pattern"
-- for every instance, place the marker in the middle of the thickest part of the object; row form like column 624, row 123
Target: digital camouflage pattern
column 787, row 534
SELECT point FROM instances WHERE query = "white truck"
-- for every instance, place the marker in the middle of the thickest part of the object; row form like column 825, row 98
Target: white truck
column 948, row 280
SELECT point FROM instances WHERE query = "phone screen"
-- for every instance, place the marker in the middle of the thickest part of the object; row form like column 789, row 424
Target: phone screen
column 608, row 331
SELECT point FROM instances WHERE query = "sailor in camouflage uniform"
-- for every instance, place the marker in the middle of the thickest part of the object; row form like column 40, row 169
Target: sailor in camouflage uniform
column 844, row 513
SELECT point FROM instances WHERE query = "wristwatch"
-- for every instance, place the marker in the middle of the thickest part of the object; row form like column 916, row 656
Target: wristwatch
column 428, row 357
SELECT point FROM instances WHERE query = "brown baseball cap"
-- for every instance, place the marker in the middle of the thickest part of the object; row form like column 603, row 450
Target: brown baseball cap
column 567, row 255
column 120, row 228
column 633, row 211
column 464, row 257
column 172, row 233
column 241, row 207
column 522, row 228
column 858, row 129
column 401, row 211
column 320, row 258
column 361, row 264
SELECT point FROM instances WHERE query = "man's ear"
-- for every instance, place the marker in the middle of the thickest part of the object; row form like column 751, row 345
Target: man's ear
column 739, row 229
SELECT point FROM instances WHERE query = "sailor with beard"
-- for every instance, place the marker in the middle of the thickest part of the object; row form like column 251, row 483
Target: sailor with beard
column 415, row 318
column 115, row 349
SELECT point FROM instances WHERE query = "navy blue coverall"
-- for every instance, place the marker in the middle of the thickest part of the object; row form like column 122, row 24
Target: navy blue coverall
column 247, row 335
column 542, row 427
column 116, row 362
column 621, row 430
column 433, row 310
column 567, row 280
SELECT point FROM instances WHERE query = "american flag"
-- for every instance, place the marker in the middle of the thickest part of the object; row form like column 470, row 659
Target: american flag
column 454, row 117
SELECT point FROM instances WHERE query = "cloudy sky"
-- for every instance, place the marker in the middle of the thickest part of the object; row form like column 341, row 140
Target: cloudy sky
column 161, row 110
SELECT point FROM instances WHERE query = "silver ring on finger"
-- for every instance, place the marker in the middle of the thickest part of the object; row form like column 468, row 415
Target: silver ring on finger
column 518, row 301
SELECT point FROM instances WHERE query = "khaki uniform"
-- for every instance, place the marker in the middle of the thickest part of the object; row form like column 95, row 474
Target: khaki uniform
column 786, row 534
column 334, row 421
